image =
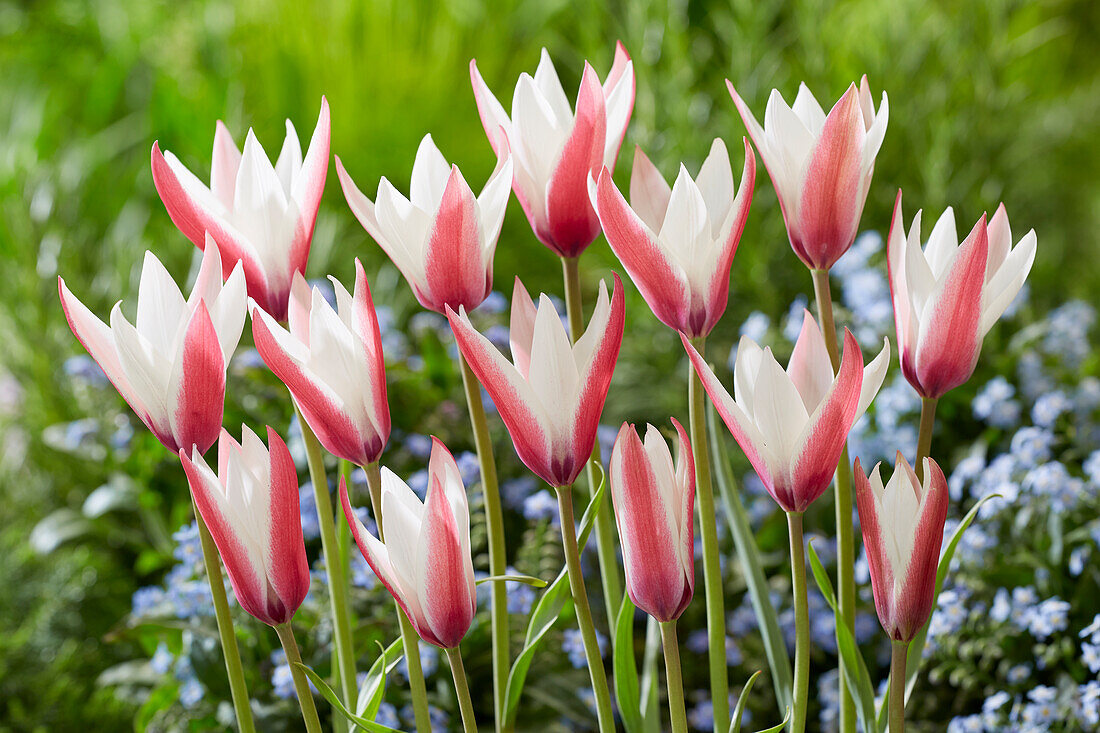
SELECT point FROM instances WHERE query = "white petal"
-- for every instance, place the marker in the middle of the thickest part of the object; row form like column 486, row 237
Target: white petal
column 429, row 176
column 778, row 410
column 553, row 372
column 161, row 312
column 289, row 164
column 715, row 182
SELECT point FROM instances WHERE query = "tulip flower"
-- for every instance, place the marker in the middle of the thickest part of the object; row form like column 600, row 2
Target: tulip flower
column 902, row 524
column 331, row 360
column 793, row 424
column 820, row 165
column 170, row 368
column 678, row 243
column 261, row 215
column 441, row 238
column 551, row 394
column 948, row 296
column 556, row 148
column 424, row 558
column 653, row 509
column 251, row 508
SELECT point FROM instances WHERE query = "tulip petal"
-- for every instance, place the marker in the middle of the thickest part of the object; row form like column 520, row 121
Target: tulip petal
column 810, row 368
column 197, row 384
column 161, row 306
column 288, row 568
column 914, row 605
column 874, row 540
column 618, row 91
column 516, row 402
column 429, row 175
column 452, row 261
column 649, row 192
column 493, row 117
column 224, row 162
column 521, row 328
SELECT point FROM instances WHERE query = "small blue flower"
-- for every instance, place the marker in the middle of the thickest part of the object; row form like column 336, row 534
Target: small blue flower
column 162, row 660
column 1088, row 700
column 966, row 724
column 1032, row 445
column 994, row 404
column 1018, row 674
column 420, row 446
column 387, row 716
column 494, row 303
column 1090, row 656
column 573, row 645
column 515, row 491
column 539, row 506
column 468, row 467
column 756, row 326
column 191, row 692
column 145, row 601
column 1049, row 407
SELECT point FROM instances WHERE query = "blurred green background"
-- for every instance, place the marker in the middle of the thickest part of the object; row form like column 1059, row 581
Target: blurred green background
column 992, row 101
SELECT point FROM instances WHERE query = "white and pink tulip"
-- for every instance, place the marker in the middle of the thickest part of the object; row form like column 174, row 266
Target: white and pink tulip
column 331, row 360
column 170, row 367
column 556, row 147
column 442, row 238
column 261, row 215
column 424, row 560
column 552, row 393
column 821, row 165
column 793, row 424
column 251, row 508
column 678, row 243
column 948, row 295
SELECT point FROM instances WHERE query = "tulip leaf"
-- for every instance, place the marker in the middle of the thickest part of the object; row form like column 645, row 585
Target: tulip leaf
column 651, row 719
column 749, row 555
column 854, row 668
column 742, row 700
column 627, row 691
column 329, row 694
column 915, row 654
column 374, row 686
column 529, row 580
column 546, row 612
column 780, row 726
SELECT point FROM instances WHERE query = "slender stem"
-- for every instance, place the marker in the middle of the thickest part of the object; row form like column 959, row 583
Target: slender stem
column 343, row 551
column 845, row 532
column 712, row 568
column 605, row 517
column 924, row 437
column 237, row 687
column 801, row 623
column 337, row 583
column 897, row 686
column 676, row 709
column 462, row 689
column 409, row 639
column 301, row 684
column 584, row 612
column 494, row 521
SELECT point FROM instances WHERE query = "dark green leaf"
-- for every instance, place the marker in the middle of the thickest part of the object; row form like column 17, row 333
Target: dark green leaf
column 529, row 580
column 627, row 692
column 374, row 686
column 329, row 694
column 742, row 700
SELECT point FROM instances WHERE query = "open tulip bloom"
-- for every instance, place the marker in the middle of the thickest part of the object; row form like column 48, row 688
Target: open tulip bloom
column 170, row 367
column 678, row 243
column 902, row 523
column 793, row 424
column 331, row 360
column 654, row 501
column 550, row 396
column 556, row 148
column 441, row 238
column 424, row 559
column 260, row 215
column 251, row 508
column 821, row 165
column 948, row 295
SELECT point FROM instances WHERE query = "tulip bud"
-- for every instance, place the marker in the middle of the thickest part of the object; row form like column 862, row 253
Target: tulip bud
column 793, row 424
column 170, row 368
column 261, row 215
column 948, row 295
column 557, row 149
column 678, row 243
column 332, row 362
column 820, row 165
column 902, row 524
column 251, row 508
column 551, row 394
column 653, row 510
column 442, row 239
column 423, row 556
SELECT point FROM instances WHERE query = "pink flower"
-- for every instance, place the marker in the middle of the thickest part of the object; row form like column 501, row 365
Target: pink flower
column 557, row 149
column 653, row 510
column 261, row 215
column 442, row 239
column 251, row 508
column 820, row 165
column 332, row 362
column 902, row 524
column 424, row 560
column 678, row 243
column 551, row 394
column 170, row 368
column 793, row 424
column 948, row 296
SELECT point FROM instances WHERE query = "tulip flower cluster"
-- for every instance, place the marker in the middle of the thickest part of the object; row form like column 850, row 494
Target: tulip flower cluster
column 254, row 224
